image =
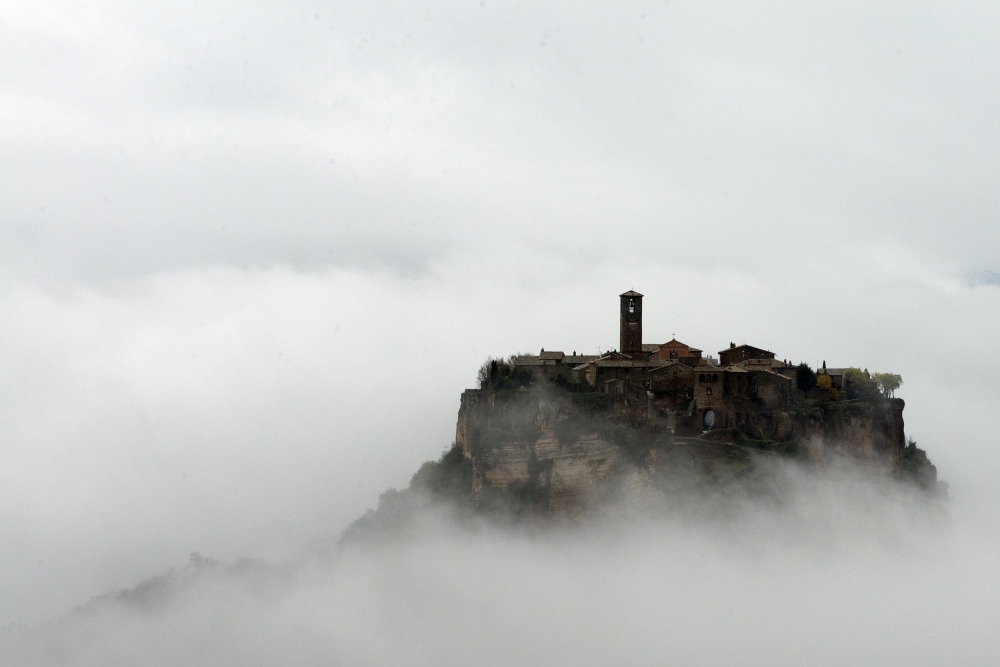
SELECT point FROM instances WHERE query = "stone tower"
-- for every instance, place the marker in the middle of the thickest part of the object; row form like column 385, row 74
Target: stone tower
column 631, row 330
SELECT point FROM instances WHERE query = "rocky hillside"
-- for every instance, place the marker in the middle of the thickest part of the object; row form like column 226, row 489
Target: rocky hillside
column 563, row 450
column 541, row 449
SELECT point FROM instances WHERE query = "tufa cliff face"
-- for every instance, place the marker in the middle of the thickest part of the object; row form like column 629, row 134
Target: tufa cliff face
column 867, row 433
column 530, row 447
column 533, row 445
column 561, row 452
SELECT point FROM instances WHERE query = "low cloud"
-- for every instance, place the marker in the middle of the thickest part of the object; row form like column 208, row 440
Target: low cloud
column 251, row 254
column 828, row 571
column 246, row 413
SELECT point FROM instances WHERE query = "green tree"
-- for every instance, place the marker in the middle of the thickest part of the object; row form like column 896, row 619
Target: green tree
column 487, row 372
column 856, row 376
column 805, row 378
column 917, row 468
column 887, row 383
column 503, row 374
column 858, row 384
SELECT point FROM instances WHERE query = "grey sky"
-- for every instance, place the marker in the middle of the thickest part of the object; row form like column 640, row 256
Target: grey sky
column 180, row 135
column 252, row 252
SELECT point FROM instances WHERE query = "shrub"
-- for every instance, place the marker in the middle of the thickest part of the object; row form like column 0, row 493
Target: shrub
column 502, row 374
column 915, row 467
column 450, row 476
column 590, row 403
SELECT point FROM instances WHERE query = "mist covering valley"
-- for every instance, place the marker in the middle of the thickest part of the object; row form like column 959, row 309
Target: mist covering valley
column 824, row 569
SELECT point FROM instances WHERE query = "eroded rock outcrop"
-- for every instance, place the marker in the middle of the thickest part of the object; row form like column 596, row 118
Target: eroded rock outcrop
column 561, row 451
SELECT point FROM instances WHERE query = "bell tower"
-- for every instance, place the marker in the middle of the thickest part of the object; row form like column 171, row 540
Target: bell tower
column 631, row 324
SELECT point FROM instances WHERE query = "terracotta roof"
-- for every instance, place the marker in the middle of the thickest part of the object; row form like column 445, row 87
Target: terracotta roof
column 551, row 355
column 579, row 358
column 670, row 364
column 783, row 377
column 627, row 363
column 674, row 343
column 749, row 347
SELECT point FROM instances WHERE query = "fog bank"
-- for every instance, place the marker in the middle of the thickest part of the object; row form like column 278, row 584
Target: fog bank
column 831, row 572
column 252, row 252
column 243, row 414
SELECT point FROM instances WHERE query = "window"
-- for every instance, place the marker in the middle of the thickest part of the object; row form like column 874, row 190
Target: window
column 631, row 306
column 715, row 377
column 701, row 378
column 708, row 391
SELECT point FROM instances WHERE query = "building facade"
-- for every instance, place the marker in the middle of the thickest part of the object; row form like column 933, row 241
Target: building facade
column 672, row 383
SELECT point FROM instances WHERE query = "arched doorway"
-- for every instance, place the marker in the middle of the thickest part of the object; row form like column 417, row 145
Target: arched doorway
column 708, row 419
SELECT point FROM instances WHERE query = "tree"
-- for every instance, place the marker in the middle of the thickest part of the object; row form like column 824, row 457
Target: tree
column 805, row 378
column 825, row 381
column 856, row 376
column 887, row 383
column 915, row 467
column 485, row 374
column 858, row 384
column 503, row 374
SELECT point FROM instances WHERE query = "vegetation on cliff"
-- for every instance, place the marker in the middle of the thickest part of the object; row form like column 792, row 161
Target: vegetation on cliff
column 525, row 441
column 917, row 469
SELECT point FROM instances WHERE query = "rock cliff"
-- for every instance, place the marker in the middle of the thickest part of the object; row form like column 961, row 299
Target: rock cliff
column 534, row 448
column 561, row 451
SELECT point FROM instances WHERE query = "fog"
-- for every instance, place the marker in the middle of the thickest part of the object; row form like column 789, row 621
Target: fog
column 251, row 253
column 827, row 570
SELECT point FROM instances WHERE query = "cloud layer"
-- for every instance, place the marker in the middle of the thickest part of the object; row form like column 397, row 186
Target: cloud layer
column 838, row 572
column 250, row 134
column 250, row 253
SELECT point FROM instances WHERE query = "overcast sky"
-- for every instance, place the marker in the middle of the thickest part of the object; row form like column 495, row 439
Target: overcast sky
column 251, row 253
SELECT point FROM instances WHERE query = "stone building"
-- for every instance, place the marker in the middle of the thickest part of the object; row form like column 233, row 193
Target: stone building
column 737, row 353
column 676, row 351
column 672, row 383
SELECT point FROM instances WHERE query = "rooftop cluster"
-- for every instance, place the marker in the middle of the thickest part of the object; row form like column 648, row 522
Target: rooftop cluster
column 674, row 383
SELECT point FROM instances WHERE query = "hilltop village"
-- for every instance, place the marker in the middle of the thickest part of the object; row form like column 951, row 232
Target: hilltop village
column 673, row 385
column 564, row 434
